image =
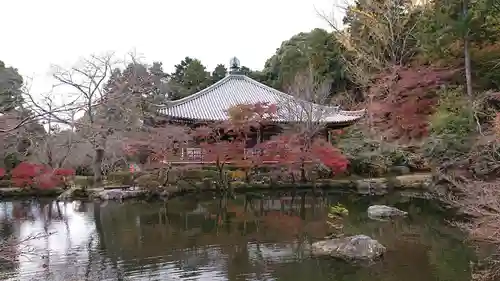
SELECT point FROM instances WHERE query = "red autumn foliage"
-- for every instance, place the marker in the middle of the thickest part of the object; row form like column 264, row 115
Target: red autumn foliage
column 220, row 147
column 219, row 141
column 245, row 117
column 40, row 176
column 224, row 142
column 293, row 151
column 404, row 98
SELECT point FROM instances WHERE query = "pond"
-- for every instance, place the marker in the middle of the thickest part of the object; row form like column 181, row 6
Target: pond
column 249, row 237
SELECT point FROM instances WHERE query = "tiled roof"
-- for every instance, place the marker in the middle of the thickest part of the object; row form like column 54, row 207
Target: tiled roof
column 212, row 103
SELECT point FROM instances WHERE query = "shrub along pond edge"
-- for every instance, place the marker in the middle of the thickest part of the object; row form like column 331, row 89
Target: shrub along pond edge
column 419, row 182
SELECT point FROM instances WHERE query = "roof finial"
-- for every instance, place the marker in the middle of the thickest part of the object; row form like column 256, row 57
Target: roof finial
column 234, row 65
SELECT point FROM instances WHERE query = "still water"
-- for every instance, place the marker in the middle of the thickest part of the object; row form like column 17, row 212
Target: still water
column 243, row 238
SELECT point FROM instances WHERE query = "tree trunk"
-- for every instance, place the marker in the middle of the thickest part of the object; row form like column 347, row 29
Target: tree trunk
column 220, row 169
column 370, row 115
column 468, row 71
column 97, row 166
column 468, row 67
column 303, row 177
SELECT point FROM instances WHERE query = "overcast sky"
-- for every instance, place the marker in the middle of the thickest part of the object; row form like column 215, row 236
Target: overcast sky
column 37, row 34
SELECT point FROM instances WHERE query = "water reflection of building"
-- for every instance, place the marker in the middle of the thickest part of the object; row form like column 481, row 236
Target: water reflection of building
column 243, row 239
column 287, row 203
column 92, row 234
column 199, row 210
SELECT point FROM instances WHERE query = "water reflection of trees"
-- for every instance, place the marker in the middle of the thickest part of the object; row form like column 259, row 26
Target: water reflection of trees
column 235, row 235
column 253, row 236
column 17, row 245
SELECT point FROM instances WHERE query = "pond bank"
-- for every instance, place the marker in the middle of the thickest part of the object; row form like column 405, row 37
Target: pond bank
column 415, row 182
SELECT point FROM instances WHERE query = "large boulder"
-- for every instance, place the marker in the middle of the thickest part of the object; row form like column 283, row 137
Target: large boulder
column 382, row 211
column 352, row 248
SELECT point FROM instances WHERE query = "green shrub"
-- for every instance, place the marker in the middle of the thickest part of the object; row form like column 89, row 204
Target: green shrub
column 262, row 177
column 145, row 179
column 453, row 115
column 84, row 171
column 486, row 65
column 185, row 185
column 226, row 168
column 207, row 183
column 451, row 126
column 264, row 169
column 199, row 174
column 210, row 168
column 371, row 157
column 5, row 183
column 238, row 184
column 11, row 160
column 150, row 184
column 84, row 181
column 121, row 177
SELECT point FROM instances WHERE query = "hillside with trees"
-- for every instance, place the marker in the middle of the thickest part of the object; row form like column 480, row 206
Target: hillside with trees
column 429, row 75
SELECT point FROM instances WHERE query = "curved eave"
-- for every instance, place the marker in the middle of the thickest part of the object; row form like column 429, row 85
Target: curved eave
column 349, row 118
column 212, row 103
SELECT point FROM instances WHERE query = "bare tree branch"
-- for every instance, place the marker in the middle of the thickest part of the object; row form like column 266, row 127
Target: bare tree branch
column 12, row 248
column 307, row 106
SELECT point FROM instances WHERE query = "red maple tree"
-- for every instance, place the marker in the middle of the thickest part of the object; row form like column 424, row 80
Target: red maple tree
column 295, row 152
column 40, row 176
column 219, row 147
column 404, row 98
column 226, row 141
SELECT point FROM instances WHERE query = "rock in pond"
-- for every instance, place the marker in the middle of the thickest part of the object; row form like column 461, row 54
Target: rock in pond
column 382, row 211
column 352, row 248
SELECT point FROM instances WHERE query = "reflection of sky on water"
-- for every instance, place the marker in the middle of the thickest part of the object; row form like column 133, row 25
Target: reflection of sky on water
column 74, row 238
column 69, row 235
column 134, row 241
column 192, row 269
column 66, row 251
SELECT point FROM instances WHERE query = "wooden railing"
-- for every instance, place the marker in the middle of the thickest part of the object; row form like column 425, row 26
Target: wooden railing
column 197, row 156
